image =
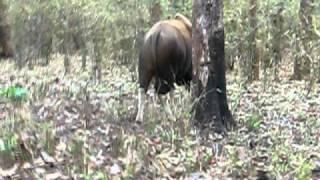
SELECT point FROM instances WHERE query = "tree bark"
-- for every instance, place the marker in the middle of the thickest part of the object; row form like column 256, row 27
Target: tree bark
column 254, row 70
column 306, row 27
column 277, row 32
column 302, row 65
column 209, row 66
column 5, row 34
column 197, row 48
column 155, row 12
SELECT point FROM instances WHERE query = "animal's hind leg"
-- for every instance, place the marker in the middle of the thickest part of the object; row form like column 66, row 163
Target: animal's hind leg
column 144, row 81
column 141, row 105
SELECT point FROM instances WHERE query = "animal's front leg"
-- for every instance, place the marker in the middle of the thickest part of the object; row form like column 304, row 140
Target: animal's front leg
column 141, row 105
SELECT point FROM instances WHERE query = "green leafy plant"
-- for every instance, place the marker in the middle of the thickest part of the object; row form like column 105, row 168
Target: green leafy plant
column 8, row 143
column 304, row 171
column 14, row 93
column 253, row 122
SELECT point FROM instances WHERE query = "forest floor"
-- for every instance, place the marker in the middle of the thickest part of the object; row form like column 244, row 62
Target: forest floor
column 70, row 126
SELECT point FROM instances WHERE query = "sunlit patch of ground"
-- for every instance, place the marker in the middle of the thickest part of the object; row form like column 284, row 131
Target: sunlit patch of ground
column 72, row 126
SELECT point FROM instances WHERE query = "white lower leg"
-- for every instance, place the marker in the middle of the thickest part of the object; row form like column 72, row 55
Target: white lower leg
column 141, row 105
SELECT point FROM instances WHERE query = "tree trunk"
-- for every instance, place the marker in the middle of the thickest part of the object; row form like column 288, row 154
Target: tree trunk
column 5, row 34
column 197, row 49
column 209, row 66
column 306, row 25
column 66, row 60
column 296, row 66
column 253, row 53
column 302, row 67
column 84, row 53
column 276, row 31
column 244, row 63
column 155, row 12
column 97, row 46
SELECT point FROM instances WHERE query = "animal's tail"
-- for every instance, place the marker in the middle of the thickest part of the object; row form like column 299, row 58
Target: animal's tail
column 154, row 42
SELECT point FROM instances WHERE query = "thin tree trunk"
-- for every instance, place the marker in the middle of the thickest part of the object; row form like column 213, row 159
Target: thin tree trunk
column 297, row 58
column 97, row 46
column 66, row 60
column 302, row 68
column 277, row 31
column 84, row 53
column 253, row 54
column 5, row 34
column 155, row 12
column 245, row 64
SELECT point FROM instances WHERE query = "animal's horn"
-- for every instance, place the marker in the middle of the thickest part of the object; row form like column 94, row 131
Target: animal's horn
column 184, row 19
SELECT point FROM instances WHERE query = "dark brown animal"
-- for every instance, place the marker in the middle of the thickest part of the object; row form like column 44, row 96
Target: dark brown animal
column 166, row 56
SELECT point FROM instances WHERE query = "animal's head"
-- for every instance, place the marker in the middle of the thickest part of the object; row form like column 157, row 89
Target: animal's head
column 182, row 23
column 184, row 20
